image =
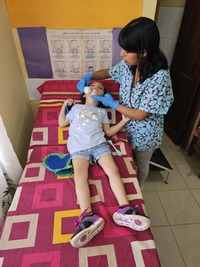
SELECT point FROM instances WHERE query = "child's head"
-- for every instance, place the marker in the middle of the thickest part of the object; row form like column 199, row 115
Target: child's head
column 97, row 88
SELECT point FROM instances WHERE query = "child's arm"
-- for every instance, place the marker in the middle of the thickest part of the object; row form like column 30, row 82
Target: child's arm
column 112, row 130
column 62, row 120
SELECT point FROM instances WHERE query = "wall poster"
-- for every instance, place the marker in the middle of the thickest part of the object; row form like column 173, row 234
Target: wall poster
column 73, row 53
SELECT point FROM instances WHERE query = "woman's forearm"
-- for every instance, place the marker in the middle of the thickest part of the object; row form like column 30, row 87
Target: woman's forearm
column 101, row 74
column 136, row 114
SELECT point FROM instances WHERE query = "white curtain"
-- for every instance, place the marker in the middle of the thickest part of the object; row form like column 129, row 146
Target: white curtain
column 10, row 168
column 9, row 162
column 3, row 186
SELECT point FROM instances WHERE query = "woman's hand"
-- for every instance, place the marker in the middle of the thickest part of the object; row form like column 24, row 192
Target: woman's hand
column 107, row 100
column 84, row 82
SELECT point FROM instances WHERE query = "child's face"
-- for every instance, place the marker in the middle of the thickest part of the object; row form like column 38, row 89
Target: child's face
column 97, row 89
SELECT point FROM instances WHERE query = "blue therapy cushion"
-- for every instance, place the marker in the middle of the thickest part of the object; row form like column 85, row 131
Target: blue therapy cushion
column 60, row 164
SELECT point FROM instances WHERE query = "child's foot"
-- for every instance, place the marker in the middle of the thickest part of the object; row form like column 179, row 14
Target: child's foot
column 129, row 217
column 87, row 227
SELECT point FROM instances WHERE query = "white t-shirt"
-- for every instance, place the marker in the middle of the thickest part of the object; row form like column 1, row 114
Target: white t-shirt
column 86, row 129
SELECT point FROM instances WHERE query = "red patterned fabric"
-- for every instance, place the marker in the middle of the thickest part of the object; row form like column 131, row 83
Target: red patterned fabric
column 40, row 222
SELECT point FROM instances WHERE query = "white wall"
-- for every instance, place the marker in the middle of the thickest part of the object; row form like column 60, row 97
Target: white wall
column 149, row 8
column 169, row 21
column 14, row 102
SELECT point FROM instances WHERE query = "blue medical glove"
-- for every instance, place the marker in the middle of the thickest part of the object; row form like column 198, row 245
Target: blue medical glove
column 106, row 100
column 84, row 82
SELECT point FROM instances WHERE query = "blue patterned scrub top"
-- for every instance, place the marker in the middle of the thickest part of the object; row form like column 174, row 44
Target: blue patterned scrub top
column 154, row 95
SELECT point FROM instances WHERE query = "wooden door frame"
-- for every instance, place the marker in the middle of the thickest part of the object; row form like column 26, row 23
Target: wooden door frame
column 157, row 10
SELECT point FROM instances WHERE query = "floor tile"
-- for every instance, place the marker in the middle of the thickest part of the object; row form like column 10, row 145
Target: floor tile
column 148, row 185
column 154, row 209
column 167, row 142
column 196, row 194
column 180, row 206
column 167, row 248
column 175, row 180
column 190, row 174
column 180, row 156
column 188, row 240
column 176, row 204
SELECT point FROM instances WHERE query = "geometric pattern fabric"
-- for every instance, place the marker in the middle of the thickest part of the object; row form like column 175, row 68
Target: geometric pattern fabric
column 40, row 222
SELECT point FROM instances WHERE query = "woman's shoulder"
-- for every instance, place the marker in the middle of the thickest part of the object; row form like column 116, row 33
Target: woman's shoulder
column 160, row 79
column 162, row 72
column 121, row 64
column 120, row 69
column 160, row 75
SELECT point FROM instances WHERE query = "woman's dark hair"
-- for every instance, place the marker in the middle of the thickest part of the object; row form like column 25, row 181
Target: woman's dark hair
column 142, row 35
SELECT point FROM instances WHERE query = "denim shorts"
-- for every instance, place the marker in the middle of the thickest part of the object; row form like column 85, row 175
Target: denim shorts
column 92, row 154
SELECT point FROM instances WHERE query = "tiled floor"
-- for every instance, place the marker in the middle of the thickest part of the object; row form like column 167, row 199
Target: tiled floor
column 174, row 208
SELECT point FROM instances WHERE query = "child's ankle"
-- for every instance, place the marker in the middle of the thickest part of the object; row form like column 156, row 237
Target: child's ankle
column 88, row 213
column 124, row 205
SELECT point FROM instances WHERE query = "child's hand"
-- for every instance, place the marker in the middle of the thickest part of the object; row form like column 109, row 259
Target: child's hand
column 69, row 102
column 125, row 118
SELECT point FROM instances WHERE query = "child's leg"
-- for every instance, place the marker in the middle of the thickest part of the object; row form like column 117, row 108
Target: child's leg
column 80, row 166
column 89, row 224
column 125, row 215
column 110, row 168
